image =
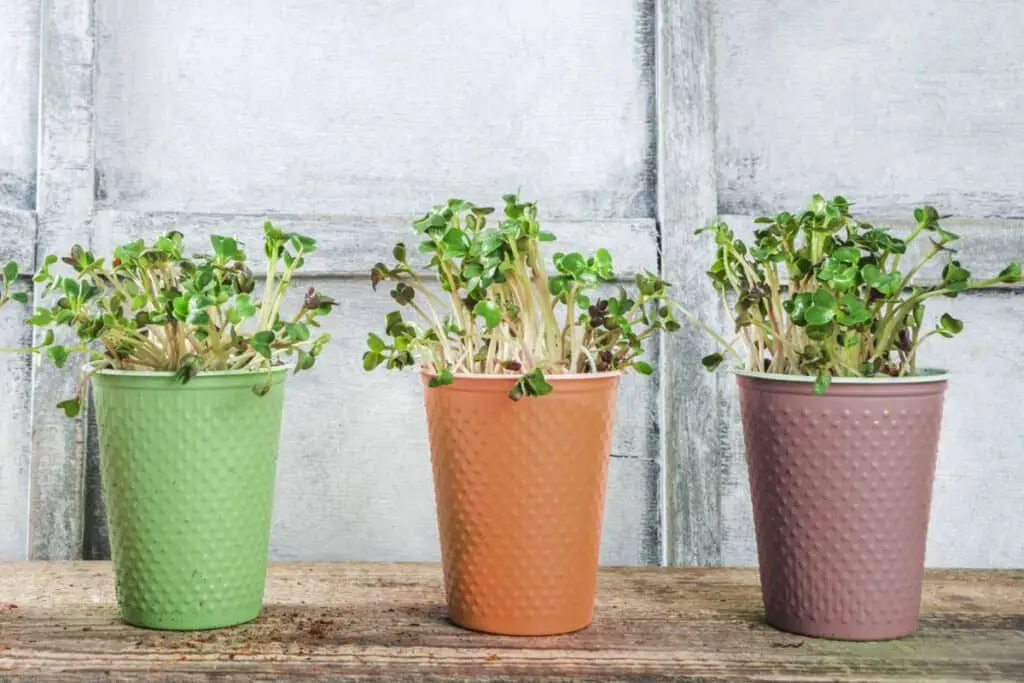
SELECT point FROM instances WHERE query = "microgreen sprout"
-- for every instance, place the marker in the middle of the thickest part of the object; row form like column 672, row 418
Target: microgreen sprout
column 821, row 293
column 152, row 308
column 495, row 308
column 8, row 277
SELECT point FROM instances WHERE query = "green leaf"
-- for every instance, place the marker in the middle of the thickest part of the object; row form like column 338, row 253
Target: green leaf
column 822, row 298
column 224, row 247
column 847, row 255
column 818, row 332
column 546, row 236
column 41, row 317
column 403, row 294
column 297, row 331
column 643, row 368
column 305, row 361
column 517, row 391
column 58, row 354
column 456, row 242
column 261, row 342
column 444, row 377
column 489, row 311
column 20, row 297
column 398, row 251
column 558, row 284
column 1011, row 273
column 796, row 306
column 71, row 407
column 870, row 274
column 537, row 384
column 950, row 324
column 955, row 277
column 11, row 271
column 393, row 322
column 572, row 264
column 816, row 315
column 845, row 279
column 822, row 382
column 375, row 343
column 69, row 287
column 244, row 306
column 371, row 359
column 181, row 307
column 848, row 340
column 712, row 361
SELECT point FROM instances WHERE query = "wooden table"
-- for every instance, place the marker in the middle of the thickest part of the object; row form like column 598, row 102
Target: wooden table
column 387, row 622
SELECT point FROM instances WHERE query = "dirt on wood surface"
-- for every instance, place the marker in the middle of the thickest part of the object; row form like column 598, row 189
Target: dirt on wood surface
column 388, row 622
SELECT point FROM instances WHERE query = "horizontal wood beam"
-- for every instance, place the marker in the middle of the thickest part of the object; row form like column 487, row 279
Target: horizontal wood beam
column 387, row 621
column 979, row 205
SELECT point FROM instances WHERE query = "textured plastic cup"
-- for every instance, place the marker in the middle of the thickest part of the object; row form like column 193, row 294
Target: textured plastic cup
column 520, row 489
column 188, row 476
column 841, row 485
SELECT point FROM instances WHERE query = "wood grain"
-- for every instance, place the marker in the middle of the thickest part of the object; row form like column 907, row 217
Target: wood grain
column 687, row 199
column 65, row 200
column 387, row 622
column 17, row 233
column 19, row 86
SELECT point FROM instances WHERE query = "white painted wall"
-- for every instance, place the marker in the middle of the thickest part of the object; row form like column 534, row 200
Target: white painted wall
column 346, row 119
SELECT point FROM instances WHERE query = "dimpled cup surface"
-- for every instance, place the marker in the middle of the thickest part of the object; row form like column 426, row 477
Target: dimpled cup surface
column 520, row 489
column 841, row 486
column 188, row 479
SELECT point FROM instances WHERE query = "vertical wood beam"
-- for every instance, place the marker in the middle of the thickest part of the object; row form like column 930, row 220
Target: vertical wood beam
column 65, row 179
column 687, row 199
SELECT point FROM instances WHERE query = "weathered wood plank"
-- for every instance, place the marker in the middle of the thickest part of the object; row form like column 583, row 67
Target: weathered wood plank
column 15, row 429
column 354, row 112
column 387, row 622
column 65, row 200
column 350, row 245
column 19, row 86
column 686, row 199
column 909, row 111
